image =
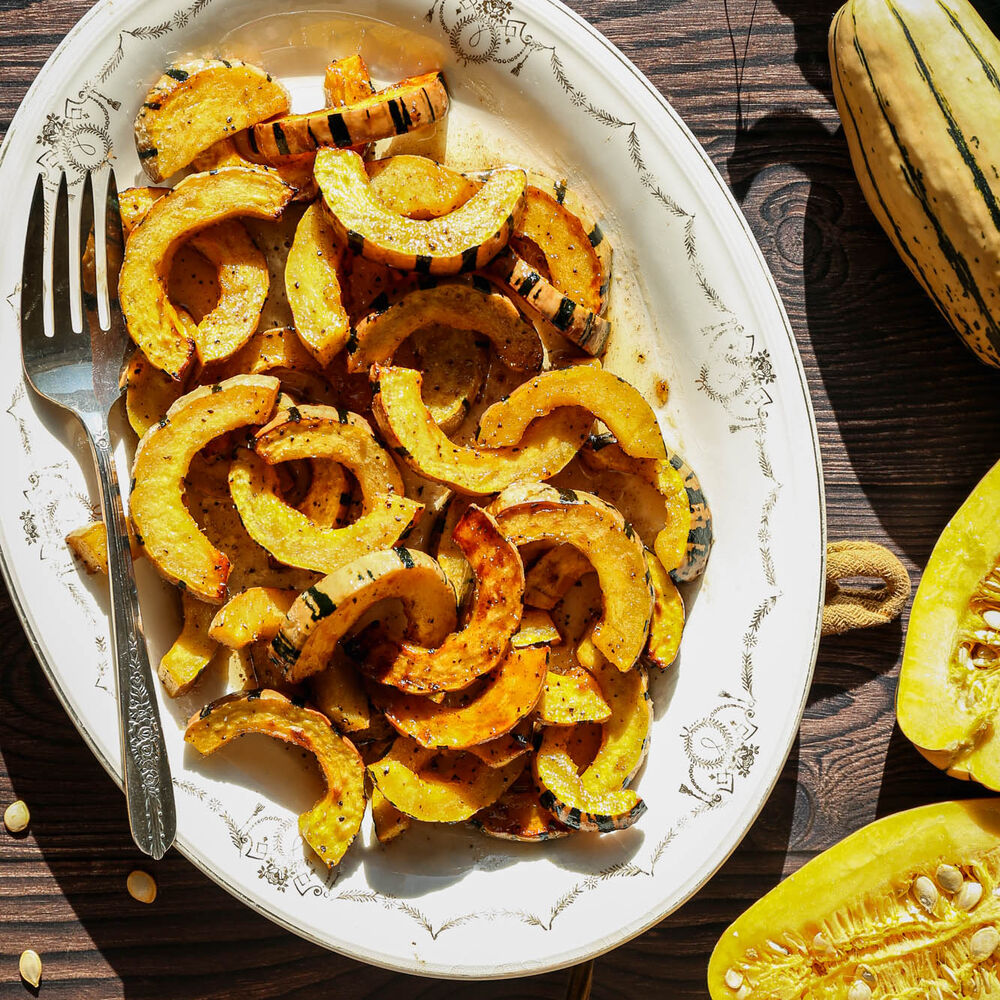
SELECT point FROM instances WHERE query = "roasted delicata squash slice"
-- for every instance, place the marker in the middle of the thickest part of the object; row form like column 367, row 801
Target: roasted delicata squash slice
column 537, row 629
column 331, row 825
column 168, row 532
column 556, row 570
column 449, row 554
column 408, row 105
column 149, row 393
column 541, row 298
column 295, row 171
column 493, row 618
column 547, row 446
column 684, row 543
column 292, row 538
column 540, row 513
column 89, row 544
column 198, row 102
column 502, row 750
column 625, row 735
column 468, row 305
column 252, row 616
column 312, row 284
column 347, row 80
column 338, row 692
column 196, row 203
column 328, row 499
column 388, row 821
column 570, row 698
column 324, row 614
column 907, row 906
column 454, row 367
column 192, row 650
column 419, row 188
column 474, row 716
column 611, row 399
column 464, row 240
column 439, row 786
column 667, row 622
column 948, row 692
column 276, row 350
column 519, row 815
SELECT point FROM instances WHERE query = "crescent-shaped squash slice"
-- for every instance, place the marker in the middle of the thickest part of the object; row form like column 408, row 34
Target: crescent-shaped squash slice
column 197, row 202
column 683, row 544
column 324, row 614
column 541, row 298
column 295, row 171
column 436, row 786
column 667, row 622
column 253, row 616
column 519, row 815
column 289, row 535
column 464, row 240
column 556, row 570
column 328, row 499
column 455, row 368
column 474, row 716
column 501, row 750
column 407, row 105
column 388, row 821
column 168, row 532
column 198, row 102
column 904, row 907
column 347, row 80
column 540, row 513
column 546, row 448
column 182, row 664
column 449, row 554
column 90, row 545
column 312, row 283
column 149, row 393
column 611, row 399
column 339, row 693
column 625, row 735
column 419, row 188
column 473, row 306
column 494, row 617
column 537, row 628
column 571, row 698
column 331, row 825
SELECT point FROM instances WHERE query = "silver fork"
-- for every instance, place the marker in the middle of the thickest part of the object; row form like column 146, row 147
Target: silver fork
column 79, row 371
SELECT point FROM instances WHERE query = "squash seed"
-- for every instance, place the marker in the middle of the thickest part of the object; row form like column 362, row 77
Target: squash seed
column 16, row 817
column 734, row 979
column 983, row 943
column 992, row 618
column 822, row 945
column 968, row 896
column 949, row 878
column 925, row 892
column 141, row 886
column 778, row 949
column 744, row 992
column 30, row 967
column 859, row 990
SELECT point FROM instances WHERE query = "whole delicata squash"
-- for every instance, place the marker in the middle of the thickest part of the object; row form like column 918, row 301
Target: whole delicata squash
column 196, row 103
column 949, row 684
column 548, row 445
column 408, row 105
column 540, row 513
column 167, row 531
column 464, row 240
column 611, row 399
column 324, row 613
column 905, row 907
column 474, row 306
column 331, row 825
column 196, row 203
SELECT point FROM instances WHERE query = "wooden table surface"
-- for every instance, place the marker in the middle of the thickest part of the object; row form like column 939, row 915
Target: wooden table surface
column 907, row 421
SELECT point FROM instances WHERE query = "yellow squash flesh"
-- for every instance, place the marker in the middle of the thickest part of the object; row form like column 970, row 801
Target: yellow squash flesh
column 419, row 188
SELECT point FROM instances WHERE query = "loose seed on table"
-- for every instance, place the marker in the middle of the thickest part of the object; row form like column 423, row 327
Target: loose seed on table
column 141, row 886
column 968, row 896
column 983, row 943
column 949, row 878
column 925, row 893
column 30, row 967
column 16, row 817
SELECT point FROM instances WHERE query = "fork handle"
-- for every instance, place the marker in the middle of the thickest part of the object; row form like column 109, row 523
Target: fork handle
column 149, row 793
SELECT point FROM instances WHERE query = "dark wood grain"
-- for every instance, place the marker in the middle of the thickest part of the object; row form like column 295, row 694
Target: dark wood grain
column 907, row 424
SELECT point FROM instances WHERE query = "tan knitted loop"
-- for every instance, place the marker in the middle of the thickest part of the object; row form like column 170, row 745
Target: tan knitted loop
column 849, row 607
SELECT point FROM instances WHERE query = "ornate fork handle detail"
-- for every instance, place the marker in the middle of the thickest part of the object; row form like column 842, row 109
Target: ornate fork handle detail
column 146, row 773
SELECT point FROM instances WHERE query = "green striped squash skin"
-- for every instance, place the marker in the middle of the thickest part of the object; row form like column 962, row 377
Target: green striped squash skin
column 917, row 85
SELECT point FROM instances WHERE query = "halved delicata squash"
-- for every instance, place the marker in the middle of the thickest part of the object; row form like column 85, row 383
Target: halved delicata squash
column 168, row 532
column 547, row 446
column 324, row 614
column 408, row 105
column 948, row 691
column 667, row 622
column 419, row 188
column 908, row 907
column 252, row 616
column 331, row 825
column 197, row 202
column 181, row 665
column 541, row 298
column 198, row 102
column 289, row 535
column 684, row 543
column 466, row 305
column 312, row 283
column 540, row 513
column 474, row 716
column 611, row 399
column 436, row 786
column 464, row 240
column 494, row 617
